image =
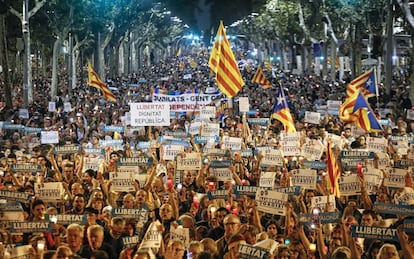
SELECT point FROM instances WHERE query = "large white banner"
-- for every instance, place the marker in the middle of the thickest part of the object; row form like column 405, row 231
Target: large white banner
column 185, row 102
column 150, row 114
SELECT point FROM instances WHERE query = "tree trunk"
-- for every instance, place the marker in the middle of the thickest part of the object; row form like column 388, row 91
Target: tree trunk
column 5, row 63
column 333, row 60
column 56, row 49
column 356, row 51
column 412, row 70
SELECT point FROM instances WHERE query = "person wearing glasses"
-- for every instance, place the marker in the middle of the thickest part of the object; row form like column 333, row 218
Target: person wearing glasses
column 115, row 233
column 231, row 227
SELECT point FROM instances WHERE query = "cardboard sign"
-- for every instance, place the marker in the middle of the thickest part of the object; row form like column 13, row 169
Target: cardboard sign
column 150, row 114
column 312, row 149
column 180, row 233
column 207, row 112
column 349, row 185
column 153, row 237
column 271, row 202
column 222, row 174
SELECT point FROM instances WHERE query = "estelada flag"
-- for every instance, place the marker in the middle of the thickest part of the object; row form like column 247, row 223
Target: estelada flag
column 94, row 81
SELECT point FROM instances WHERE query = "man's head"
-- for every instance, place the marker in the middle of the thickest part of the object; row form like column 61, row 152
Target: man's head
column 68, row 168
column 38, row 210
column 78, row 203
column 74, row 237
column 369, row 217
column 166, row 212
column 233, row 246
column 231, row 225
column 117, row 227
column 128, row 201
column 95, row 235
column 175, row 249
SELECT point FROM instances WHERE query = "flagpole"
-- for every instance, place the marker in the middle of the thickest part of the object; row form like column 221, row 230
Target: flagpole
column 376, row 90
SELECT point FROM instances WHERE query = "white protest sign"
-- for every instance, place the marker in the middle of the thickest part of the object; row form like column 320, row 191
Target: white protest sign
column 396, row 178
column 169, row 152
column 383, row 160
column 207, row 112
column 377, row 144
column 189, row 161
column 52, row 106
column 153, row 237
column 231, row 143
column 24, row 113
column 49, row 192
column 324, row 203
column 273, row 157
column 180, row 233
column 91, row 163
column 305, row 178
column 150, row 114
column 244, row 104
column 271, row 202
column 349, row 185
column 122, row 182
column 67, row 106
column 222, row 174
column 337, row 141
column 312, row 117
column 267, row 179
column 195, row 127
column 185, row 102
column 210, row 129
column 312, row 149
column 49, row 137
column 290, row 143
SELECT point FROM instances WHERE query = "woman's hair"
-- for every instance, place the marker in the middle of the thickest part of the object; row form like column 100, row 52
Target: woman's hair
column 341, row 252
column 384, row 246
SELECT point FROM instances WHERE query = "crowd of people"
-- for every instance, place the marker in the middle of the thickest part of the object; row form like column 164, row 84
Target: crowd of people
column 82, row 195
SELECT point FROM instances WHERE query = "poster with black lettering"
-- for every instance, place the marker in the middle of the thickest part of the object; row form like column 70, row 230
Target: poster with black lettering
column 272, row 157
column 180, row 233
column 122, row 181
column 312, row 149
column 189, row 161
column 150, row 114
column 349, row 185
column 247, row 251
column 49, row 192
column 325, row 203
column 267, row 179
column 232, row 143
column 305, row 178
column 153, row 237
column 169, row 152
column 271, row 202
column 377, row 144
column 395, row 178
column 210, row 129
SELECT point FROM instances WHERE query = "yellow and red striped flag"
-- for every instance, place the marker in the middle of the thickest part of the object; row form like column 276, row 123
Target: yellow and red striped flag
column 94, row 81
column 261, row 79
column 365, row 83
column 333, row 172
column 223, row 63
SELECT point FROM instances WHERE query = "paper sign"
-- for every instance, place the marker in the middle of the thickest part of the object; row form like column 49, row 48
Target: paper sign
column 271, row 202
column 244, row 104
column 374, row 233
column 312, row 149
column 410, row 114
column 67, row 107
column 273, row 157
column 49, row 192
column 180, row 233
column 322, row 201
column 231, row 143
column 267, row 179
column 150, row 114
column 207, row 112
column 396, row 178
column 153, row 237
column 312, row 117
column 49, row 137
column 122, row 182
column 377, row 144
column 169, row 152
column 305, row 178
column 247, row 251
column 210, row 129
column 222, row 174
column 349, row 185
column 52, row 107
column 189, row 161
